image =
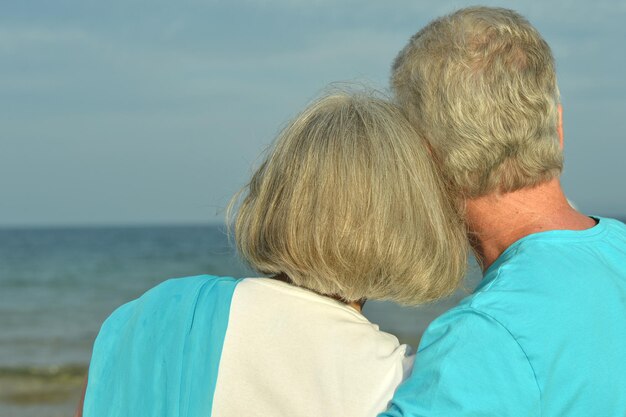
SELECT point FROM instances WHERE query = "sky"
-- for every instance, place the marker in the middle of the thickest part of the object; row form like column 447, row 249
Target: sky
column 148, row 112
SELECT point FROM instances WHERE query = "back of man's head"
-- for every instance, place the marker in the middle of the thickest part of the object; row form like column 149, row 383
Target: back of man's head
column 480, row 85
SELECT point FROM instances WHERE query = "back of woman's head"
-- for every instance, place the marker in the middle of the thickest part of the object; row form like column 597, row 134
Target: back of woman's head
column 348, row 203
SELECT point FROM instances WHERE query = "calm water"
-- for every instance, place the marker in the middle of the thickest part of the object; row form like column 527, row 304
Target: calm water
column 58, row 285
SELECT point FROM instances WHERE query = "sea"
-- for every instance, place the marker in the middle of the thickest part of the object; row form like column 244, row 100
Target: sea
column 57, row 285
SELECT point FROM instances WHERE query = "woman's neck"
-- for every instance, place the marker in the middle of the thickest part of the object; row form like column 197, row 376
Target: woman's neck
column 357, row 305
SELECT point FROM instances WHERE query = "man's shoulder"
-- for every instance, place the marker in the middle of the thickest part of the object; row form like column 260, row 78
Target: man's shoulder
column 607, row 233
column 469, row 321
column 550, row 260
column 469, row 356
column 524, row 294
column 614, row 225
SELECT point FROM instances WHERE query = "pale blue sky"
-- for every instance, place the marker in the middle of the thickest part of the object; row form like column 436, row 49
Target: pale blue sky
column 137, row 111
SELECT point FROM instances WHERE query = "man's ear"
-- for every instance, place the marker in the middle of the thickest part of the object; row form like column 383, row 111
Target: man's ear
column 559, row 126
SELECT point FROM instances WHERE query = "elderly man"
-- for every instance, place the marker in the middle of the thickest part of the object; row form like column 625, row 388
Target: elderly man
column 544, row 334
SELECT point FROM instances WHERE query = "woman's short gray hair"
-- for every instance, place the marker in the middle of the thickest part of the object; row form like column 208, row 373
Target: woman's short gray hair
column 348, row 203
column 480, row 85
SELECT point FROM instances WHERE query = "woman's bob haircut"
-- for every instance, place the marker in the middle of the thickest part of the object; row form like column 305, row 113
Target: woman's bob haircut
column 348, row 204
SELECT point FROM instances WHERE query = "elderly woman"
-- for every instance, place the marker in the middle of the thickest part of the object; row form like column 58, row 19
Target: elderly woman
column 346, row 207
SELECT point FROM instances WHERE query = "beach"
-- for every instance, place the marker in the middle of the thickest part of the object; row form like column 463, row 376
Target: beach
column 57, row 285
column 51, row 392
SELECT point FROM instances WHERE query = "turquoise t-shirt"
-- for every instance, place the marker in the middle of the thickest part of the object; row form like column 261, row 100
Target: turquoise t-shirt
column 544, row 334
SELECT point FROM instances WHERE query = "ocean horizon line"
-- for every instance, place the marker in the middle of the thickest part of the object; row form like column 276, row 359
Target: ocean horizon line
column 112, row 225
column 149, row 225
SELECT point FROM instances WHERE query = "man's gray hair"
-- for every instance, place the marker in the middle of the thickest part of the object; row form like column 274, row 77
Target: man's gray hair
column 480, row 85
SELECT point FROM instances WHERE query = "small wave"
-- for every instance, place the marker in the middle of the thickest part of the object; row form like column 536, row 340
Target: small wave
column 41, row 384
column 44, row 372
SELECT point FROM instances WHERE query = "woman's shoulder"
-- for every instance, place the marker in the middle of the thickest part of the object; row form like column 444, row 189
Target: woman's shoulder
column 176, row 324
column 174, row 288
column 173, row 299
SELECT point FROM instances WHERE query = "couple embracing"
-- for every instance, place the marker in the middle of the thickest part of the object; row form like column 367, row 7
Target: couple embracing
column 364, row 198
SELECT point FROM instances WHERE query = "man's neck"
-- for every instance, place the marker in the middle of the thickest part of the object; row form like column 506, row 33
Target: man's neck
column 496, row 221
